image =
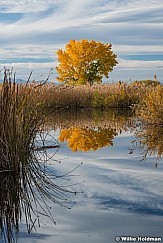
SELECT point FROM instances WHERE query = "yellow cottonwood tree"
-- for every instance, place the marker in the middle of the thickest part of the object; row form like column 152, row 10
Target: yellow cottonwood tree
column 85, row 62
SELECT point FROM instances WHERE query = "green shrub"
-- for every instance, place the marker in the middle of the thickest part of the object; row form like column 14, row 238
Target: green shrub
column 146, row 82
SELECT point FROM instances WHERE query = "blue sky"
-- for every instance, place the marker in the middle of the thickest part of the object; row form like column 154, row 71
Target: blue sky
column 33, row 30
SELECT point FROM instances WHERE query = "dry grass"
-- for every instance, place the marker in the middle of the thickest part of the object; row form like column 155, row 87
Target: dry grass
column 26, row 183
column 115, row 95
column 96, row 96
column 150, row 109
column 20, row 117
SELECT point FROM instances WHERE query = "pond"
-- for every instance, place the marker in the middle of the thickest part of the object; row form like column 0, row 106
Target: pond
column 113, row 164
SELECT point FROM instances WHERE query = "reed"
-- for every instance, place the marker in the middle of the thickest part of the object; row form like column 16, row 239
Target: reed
column 20, row 115
column 118, row 95
column 150, row 109
column 26, row 183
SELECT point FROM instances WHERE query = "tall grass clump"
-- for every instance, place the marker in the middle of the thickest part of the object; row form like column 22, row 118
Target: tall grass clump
column 26, row 183
column 118, row 95
column 64, row 96
column 150, row 108
column 20, row 117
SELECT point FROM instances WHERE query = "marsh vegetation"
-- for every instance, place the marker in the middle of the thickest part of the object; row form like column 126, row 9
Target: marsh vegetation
column 28, row 110
column 26, row 183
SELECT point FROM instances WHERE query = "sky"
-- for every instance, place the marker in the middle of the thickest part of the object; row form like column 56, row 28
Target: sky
column 33, row 30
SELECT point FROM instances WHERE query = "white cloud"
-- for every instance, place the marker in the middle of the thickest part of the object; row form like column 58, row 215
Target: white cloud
column 137, row 49
column 28, row 6
column 30, row 51
column 127, row 64
column 70, row 14
column 45, row 26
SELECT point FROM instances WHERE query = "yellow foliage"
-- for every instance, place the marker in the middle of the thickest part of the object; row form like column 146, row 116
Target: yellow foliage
column 85, row 62
column 85, row 139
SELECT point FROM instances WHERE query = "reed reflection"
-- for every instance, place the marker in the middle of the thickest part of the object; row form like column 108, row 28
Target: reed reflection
column 114, row 118
column 26, row 193
column 150, row 141
column 10, row 212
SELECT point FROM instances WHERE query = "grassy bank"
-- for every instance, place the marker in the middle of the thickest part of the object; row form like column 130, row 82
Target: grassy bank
column 47, row 97
column 96, row 96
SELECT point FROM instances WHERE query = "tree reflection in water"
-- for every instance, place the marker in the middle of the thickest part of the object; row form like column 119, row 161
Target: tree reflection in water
column 86, row 130
column 85, row 139
column 91, row 129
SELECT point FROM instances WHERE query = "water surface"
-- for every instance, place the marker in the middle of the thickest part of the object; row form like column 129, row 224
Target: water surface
column 119, row 194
